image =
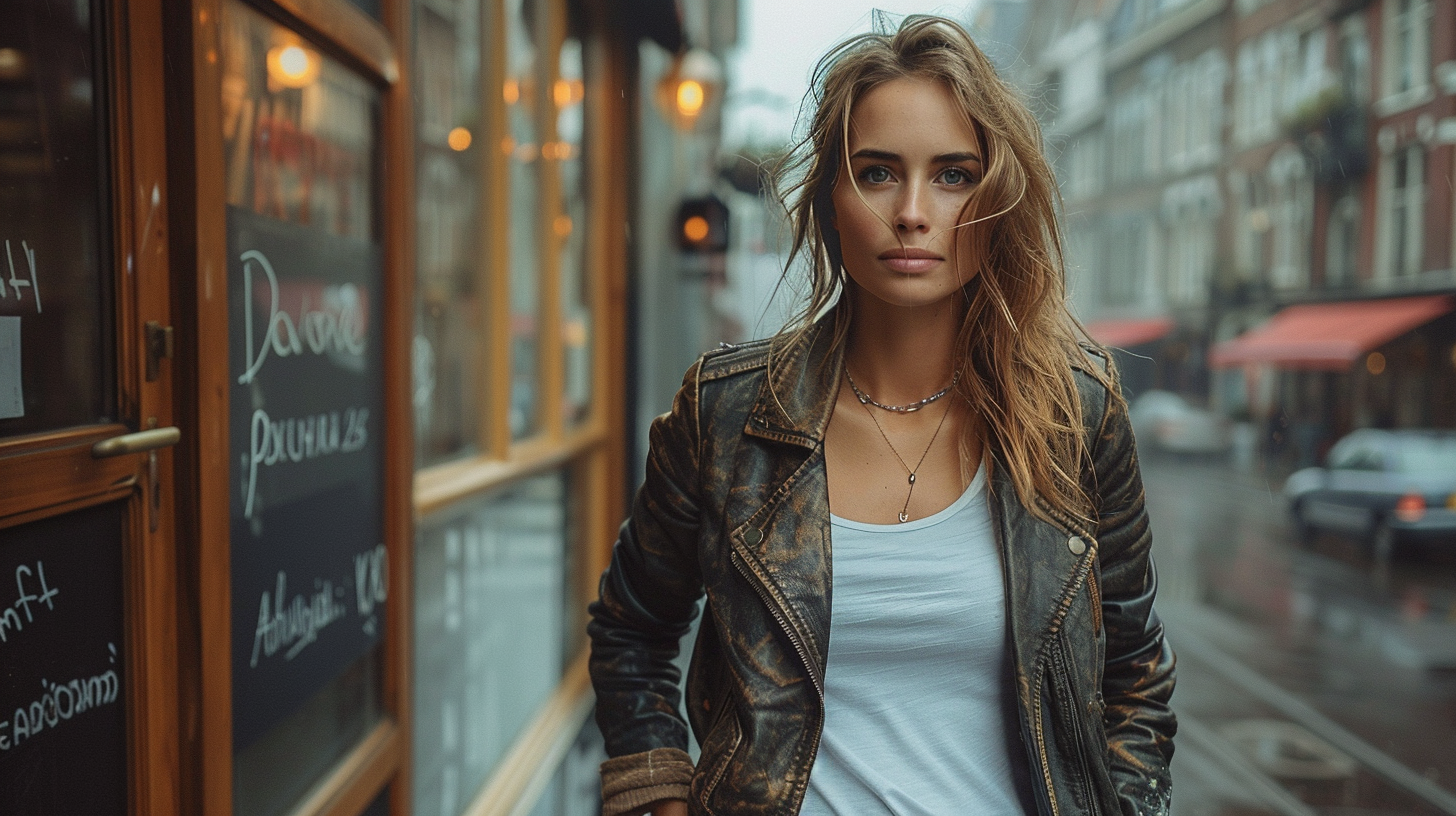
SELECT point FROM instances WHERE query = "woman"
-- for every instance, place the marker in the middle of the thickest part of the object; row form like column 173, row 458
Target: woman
column 991, row 645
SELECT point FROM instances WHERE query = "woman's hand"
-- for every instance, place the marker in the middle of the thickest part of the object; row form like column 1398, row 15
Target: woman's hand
column 670, row 807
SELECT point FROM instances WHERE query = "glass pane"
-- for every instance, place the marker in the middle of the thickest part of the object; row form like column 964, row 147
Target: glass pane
column 56, row 357
column 522, row 94
column 451, row 305
column 569, row 226
column 490, row 581
column 306, row 425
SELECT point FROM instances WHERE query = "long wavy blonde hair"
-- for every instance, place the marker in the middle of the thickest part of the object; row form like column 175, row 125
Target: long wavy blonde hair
column 1017, row 342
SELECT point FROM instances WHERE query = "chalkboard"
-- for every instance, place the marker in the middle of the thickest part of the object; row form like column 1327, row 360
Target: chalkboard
column 62, row 684
column 309, row 577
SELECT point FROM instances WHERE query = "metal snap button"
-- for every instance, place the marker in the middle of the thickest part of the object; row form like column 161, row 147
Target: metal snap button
column 1076, row 545
column 753, row 535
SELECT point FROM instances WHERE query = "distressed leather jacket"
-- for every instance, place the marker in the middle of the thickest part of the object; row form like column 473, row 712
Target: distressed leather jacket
column 736, row 504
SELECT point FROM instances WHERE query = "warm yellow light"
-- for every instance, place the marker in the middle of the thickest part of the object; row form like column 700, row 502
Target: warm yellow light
column 12, row 63
column 561, row 93
column 690, row 97
column 562, row 226
column 1453, row 356
column 292, row 66
column 459, row 139
column 695, row 228
column 508, row 145
column 511, row 92
column 1375, row 363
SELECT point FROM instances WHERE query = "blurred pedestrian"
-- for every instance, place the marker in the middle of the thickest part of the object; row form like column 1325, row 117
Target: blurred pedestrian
column 991, row 645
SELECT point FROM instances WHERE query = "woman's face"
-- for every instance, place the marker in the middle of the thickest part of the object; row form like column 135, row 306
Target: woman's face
column 915, row 160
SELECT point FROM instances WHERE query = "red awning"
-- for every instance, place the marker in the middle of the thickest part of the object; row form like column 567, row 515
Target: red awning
column 1124, row 333
column 1328, row 336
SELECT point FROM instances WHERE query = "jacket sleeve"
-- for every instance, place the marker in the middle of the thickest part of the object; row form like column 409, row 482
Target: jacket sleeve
column 648, row 599
column 1138, row 674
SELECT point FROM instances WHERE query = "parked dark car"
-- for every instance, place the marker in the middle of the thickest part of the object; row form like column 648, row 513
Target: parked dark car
column 1386, row 487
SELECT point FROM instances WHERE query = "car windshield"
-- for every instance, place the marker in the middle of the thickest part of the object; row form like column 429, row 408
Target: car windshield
column 1428, row 455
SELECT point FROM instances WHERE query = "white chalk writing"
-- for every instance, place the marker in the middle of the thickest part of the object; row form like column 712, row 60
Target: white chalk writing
column 337, row 326
column 59, row 703
column 293, row 624
column 10, row 620
column 18, row 283
column 295, row 439
column 371, row 579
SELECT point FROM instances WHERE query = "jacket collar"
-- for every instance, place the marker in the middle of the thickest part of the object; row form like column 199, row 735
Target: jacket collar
column 797, row 397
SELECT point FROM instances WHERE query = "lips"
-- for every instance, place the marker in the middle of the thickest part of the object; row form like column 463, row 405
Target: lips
column 910, row 259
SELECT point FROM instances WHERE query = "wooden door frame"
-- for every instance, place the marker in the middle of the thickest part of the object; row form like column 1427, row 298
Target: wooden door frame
column 58, row 467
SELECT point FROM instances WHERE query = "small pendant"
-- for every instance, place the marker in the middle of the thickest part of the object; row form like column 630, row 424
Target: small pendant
column 912, row 478
column 904, row 518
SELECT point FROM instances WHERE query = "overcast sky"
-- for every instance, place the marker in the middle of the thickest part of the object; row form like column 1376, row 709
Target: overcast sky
column 779, row 44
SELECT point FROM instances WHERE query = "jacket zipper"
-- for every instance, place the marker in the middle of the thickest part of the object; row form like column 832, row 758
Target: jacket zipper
column 1046, row 768
column 760, row 585
column 1074, row 724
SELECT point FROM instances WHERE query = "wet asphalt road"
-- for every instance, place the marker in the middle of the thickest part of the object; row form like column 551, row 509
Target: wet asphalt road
column 1311, row 680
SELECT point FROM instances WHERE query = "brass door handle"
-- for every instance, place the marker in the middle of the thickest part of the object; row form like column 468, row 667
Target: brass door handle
column 139, row 442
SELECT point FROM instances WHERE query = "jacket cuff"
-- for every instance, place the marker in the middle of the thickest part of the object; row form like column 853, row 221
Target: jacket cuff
column 630, row 783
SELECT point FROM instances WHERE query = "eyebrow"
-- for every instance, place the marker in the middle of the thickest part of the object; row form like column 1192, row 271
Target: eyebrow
column 943, row 158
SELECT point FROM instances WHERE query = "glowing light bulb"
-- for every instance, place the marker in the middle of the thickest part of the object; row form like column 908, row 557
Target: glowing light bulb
column 690, row 97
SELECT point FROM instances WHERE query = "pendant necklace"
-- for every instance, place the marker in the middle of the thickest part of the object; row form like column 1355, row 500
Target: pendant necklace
column 865, row 401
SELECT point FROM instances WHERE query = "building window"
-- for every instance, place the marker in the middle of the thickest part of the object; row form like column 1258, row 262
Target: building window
column 1190, row 255
column 1342, row 241
column 1355, row 61
column 1407, row 47
column 1402, row 194
column 1290, row 216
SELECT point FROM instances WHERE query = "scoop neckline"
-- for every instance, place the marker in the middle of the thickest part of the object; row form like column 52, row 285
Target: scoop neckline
column 921, row 523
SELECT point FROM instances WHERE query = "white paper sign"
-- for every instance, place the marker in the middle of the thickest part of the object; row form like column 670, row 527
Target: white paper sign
column 12, row 401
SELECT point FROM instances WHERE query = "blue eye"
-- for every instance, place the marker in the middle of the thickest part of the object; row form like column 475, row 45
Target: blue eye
column 876, row 174
column 955, row 176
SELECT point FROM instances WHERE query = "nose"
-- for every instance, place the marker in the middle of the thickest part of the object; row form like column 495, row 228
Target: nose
column 911, row 214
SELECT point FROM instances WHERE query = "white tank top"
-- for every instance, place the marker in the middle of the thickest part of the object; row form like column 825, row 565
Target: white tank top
column 918, row 706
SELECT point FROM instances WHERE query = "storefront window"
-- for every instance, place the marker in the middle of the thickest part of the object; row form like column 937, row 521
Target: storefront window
column 56, row 364
column 569, row 226
column 308, row 572
column 451, row 305
column 523, row 94
column 491, row 590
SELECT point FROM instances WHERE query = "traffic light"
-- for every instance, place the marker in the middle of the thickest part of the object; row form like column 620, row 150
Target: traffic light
column 702, row 225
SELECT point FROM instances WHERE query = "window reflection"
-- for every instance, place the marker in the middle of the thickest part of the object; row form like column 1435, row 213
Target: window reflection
column 569, row 226
column 55, row 272
column 522, row 94
column 451, row 305
column 298, row 130
column 491, row 581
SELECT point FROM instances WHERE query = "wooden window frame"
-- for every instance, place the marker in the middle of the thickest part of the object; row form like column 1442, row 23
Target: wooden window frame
column 590, row 447
column 372, row 49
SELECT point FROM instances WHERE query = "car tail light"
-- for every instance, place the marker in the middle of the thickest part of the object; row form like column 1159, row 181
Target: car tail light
column 1410, row 507
column 1451, row 502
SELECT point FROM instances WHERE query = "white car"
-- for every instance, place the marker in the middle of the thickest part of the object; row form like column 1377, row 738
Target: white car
column 1163, row 420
